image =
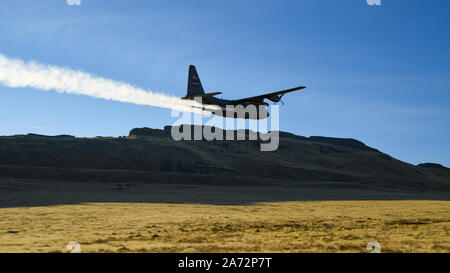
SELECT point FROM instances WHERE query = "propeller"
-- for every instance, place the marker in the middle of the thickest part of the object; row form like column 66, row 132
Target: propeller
column 278, row 99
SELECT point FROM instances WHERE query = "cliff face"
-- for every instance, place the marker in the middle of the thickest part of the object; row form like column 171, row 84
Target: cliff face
column 151, row 155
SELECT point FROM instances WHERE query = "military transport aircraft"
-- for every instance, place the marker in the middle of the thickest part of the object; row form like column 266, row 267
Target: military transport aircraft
column 195, row 91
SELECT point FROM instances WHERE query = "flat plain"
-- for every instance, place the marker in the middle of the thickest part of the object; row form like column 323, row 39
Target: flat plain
column 300, row 226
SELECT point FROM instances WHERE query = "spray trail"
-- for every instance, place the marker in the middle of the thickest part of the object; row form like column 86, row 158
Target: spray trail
column 17, row 73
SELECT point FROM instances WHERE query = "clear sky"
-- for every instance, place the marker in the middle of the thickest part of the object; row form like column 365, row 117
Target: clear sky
column 379, row 74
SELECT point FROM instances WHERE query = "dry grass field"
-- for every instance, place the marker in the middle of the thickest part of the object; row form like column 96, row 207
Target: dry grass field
column 319, row 226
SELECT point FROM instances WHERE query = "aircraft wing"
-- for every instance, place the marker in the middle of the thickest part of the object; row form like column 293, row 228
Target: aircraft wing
column 274, row 96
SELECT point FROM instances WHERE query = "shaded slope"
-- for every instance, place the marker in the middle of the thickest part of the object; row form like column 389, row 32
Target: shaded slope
column 151, row 156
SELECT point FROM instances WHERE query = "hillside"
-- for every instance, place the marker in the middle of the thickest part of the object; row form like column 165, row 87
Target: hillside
column 152, row 156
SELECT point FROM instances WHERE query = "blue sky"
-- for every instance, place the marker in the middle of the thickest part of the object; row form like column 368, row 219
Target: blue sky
column 379, row 74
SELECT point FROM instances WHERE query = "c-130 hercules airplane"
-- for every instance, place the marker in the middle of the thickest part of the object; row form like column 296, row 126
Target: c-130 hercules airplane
column 195, row 91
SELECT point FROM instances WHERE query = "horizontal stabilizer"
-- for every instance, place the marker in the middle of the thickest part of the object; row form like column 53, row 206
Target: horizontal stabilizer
column 202, row 95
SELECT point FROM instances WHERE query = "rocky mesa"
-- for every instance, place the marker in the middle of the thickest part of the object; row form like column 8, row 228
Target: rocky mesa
column 152, row 156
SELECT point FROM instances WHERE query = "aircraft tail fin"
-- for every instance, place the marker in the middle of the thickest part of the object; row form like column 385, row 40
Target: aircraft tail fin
column 194, row 87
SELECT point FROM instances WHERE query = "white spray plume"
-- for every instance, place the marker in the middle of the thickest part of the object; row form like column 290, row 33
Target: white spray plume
column 17, row 73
